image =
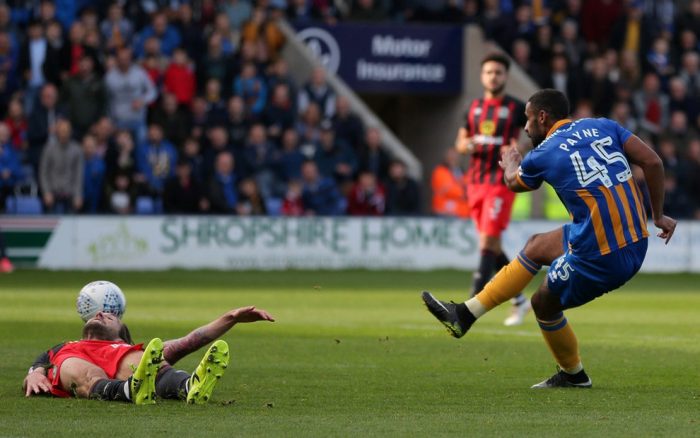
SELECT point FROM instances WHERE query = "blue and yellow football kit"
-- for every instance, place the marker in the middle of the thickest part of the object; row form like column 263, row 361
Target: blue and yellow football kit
column 606, row 242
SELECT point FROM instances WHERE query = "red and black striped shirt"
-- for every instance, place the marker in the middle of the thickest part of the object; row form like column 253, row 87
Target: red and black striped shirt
column 492, row 123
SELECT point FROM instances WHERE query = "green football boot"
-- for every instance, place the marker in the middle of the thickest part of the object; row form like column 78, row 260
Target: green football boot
column 208, row 373
column 143, row 381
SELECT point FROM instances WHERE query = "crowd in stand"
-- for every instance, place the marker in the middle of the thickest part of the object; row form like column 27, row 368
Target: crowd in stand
column 176, row 106
column 635, row 61
column 179, row 107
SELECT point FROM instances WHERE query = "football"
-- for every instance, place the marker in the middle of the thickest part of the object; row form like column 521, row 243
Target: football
column 100, row 296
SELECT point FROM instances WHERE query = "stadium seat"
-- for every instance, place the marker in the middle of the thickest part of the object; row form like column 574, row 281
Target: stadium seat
column 273, row 206
column 23, row 205
column 145, row 205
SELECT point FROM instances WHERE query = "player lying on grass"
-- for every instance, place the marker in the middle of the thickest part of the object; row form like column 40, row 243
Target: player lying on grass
column 106, row 365
column 587, row 163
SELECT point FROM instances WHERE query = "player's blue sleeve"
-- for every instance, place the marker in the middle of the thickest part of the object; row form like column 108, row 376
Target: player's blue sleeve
column 530, row 174
column 622, row 133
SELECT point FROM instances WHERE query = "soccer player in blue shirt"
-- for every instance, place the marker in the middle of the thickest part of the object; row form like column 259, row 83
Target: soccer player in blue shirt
column 587, row 162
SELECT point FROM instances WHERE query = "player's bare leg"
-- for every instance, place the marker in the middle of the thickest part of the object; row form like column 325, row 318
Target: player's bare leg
column 78, row 376
column 561, row 340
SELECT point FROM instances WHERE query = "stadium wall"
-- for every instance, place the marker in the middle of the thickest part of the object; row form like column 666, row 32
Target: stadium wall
column 268, row 243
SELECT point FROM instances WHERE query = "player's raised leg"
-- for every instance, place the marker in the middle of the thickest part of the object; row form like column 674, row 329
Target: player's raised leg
column 142, row 384
column 208, row 373
column 507, row 284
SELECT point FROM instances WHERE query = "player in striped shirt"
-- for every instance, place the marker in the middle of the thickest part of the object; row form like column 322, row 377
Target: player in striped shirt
column 587, row 162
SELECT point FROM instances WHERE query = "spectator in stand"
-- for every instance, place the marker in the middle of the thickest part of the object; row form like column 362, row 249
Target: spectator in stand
column 678, row 130
column 61, row 172
column 41, row 123
column 690, row 72
column 237, row 11
column 179, row 78
column 256, row 160
column 58, row 56
column 155, row 160
column 121, row 157
column 318, row 91
column 31, row 62
column 564, row 79
column 320, row 195
column 238, row 122
column 251, row 88
column 116, row 29
column 218, row 142
column 598, row 18
column 215, row 64
column 103, row 130
column 679, row 100
column 366, row 196
column 279, row 115
column 85, row 97
column 216, row 108
column 347, row 125
column 9, row 75
column 658, row 60
column 93, row 175
column 289, row 159
column 402, row 192
column 574, row 46
column 161, row 29
column 308, row 125
column 334, row 158
column 629, row 33
column 366, row 11
column 263, row 28
column 191, row 32
column 521, row 55
column 278, row 73
column 17, row 124
column 76, row 49
column 223, row 195
column 373, row 158
column 250, row 200
column 130, row 92
column 292, row 205
column 651, row 105
column 676, row 200
column 670, row 157
column 183, row 193
column 10, row 167
column 449, row 187
column 598, row 88
column 154, row 62
column 191, row 151
column 174, row 121
column 229, row 39
column 692, row 181
column 121, row 193
column 622, row 114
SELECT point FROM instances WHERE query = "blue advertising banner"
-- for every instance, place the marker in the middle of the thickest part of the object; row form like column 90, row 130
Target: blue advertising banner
column 390, row 58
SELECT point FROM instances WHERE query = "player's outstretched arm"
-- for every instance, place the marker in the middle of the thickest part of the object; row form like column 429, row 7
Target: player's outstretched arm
column 176, row 349
column 36, row 382
column 642, row 155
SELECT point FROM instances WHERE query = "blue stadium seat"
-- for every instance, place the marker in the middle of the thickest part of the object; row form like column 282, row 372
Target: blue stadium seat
column 27, row 205
column 273, row 206
column 145, row 205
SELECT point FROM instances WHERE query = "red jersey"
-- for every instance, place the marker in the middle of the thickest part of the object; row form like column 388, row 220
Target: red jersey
column 104, row 354
column 491, row 123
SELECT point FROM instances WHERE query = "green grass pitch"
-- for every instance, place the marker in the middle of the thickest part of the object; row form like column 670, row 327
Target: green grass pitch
column 355, row 353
